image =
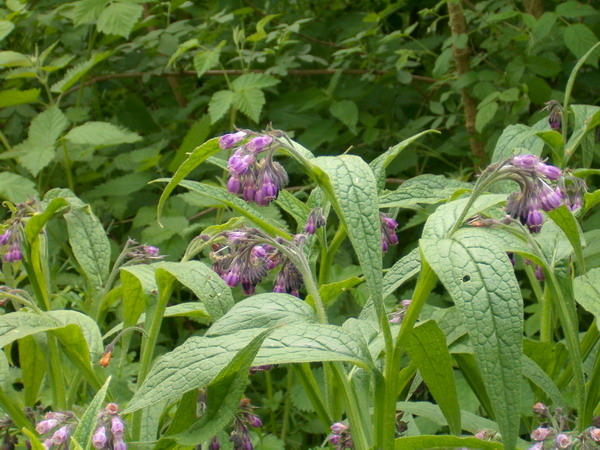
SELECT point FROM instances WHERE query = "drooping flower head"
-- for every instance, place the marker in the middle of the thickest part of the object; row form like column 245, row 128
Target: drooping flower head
column 315, row 220
column 110, row 429
column 555, row 117
column 388, row 231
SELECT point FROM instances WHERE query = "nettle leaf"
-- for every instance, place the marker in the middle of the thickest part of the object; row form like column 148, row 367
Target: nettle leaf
column 75, row 73
column 352, row 188
column 404, row 269
column 86, row 11
column 90, row 244
column 253, row 81
column 587, row 292
column 119, row 18
column 427, row 349
column 379, row 164
column 16, row 188
column 101, row 134
column 263, row 311
column 219, row 104
column 88, row 422
column 13, row 97
column 234, row 203
column 204, row 283
column 579, row 39
column 199, row 360
column 346, row 112
column 33, row 158
column 482, row 283
column 428, row 189
column 208, row 59
column 250, row 102
column 223, row 395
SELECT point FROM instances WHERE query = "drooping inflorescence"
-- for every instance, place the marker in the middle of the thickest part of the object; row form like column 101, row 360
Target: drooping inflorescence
column 110, row 429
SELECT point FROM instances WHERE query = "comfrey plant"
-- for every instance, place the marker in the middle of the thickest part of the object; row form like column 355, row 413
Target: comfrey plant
column 502, row 310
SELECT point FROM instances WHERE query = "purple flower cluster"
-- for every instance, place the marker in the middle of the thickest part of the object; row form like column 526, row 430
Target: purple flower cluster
column 400, row 312
column 240, row 436
column 315, row 220
column 244, row 258
column 388, row 231
column 110, row 429
column 54, row 420
column 536, row 194
column 11, row 241
column 340, row 436
column 555, row 117
column 255, row 181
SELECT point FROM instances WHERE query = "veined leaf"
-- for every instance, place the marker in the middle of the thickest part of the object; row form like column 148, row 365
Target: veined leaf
column 219, row 104
column 16, row 188
column 207, row 59
column 139, row 286
column 519, row 139
column 119, row 18
column 481, row 281
column 569, row 225
column 12, row 97
column 250, row 102
column 579, row 39
column 86, row 11
column 346, row 112
column 428, row 189
column 404, row 269
column 101, row 134
column 253, row 81
column 89, row 421
column 587, row 292
column 75, row 73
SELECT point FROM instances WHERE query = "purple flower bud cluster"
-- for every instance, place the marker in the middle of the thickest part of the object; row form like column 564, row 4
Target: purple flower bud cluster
column 555, row 117
column 11, row 241
column 533, row 177
column 400, row 312
column 240, row 436
column 53, row 420
column 110, row 429
column 340, row 436
column 315, row 220
column 388, row 231
column 137, row 254
column 255, row 181
column 244, row 258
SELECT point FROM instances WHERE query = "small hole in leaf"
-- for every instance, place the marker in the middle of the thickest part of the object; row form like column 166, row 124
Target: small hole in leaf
column 466, row 278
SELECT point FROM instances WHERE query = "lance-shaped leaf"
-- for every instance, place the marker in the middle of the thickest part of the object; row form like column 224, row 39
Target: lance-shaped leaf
column 587, row 292
column 223, row 395
column 204, row 283
column 379, row 164
column 34, row 225
column 89, row 421
column 428, row 442
column 33, row 368
column 199, row 360
column 263, row 311
column 565, row 220
column 352, row 189
column 139, row 285
column 481, row 281
column 197, row 157
column 428, row 189
column 427, row 349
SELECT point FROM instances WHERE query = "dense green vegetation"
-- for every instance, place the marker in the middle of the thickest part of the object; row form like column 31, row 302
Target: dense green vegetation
column 380, row 143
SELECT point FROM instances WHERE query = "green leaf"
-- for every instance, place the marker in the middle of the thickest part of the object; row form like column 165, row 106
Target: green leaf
column 563, row 217
column 329, row 292
column 234, row 203
column 5, row 28
column 90, row 245
column 260, row 28
column 250, row 102
column 75, row 73
column 253, row 81
column 379, row 164
column 219, row 104
column 587, row 292
column 209, row 59
column 204, row 283
column 119, row 18
column 32, row 360
column 485, row 114
column 86, row 11
column 223, row 395
column 346, row 112
column 139, row 287
column 294, row 207
column 80, row 332
column 13, row 97
column 16, row 188
column 88, row 423
column 520, row 139
column 352, row 189
column 536, row 374
column 263, row 311
column 554, row 140
column 8, row 58
column 427, row 349
column 590, row 200
column 199, row 360
column 197, row 157
column 181, row 49
column 404, row 269
column 579, row 39
column 34, row 159
column 430, row 442
column 101, row 134
column 195, row 137
column 587, row 117
column 572, row 9
column 428, row 189
column 481, row 281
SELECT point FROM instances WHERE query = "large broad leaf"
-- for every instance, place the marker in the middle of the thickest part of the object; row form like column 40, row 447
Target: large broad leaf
column 89, row 421
column 263, row 311
column 520, row 139
column 579, row 39
column 352, row 188
column 379, row 164
column 481, row 281
column 223, row 395
column 90, row 244
column 119, row 18
column 429, row 442
column 404, row 269
column 139, row 287
column 197, row 157
column 198, row 361
column 569, row 225
column 16, row 188
column 204, row 283
column 101, row 134
column 426, row 189
column 587, row 292
column 427, row 349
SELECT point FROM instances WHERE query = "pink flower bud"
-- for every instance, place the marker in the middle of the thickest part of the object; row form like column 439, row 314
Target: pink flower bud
column 117, row 428
column 46, row 425
column 540, row 433
column 99, row 439
column 61, row 435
